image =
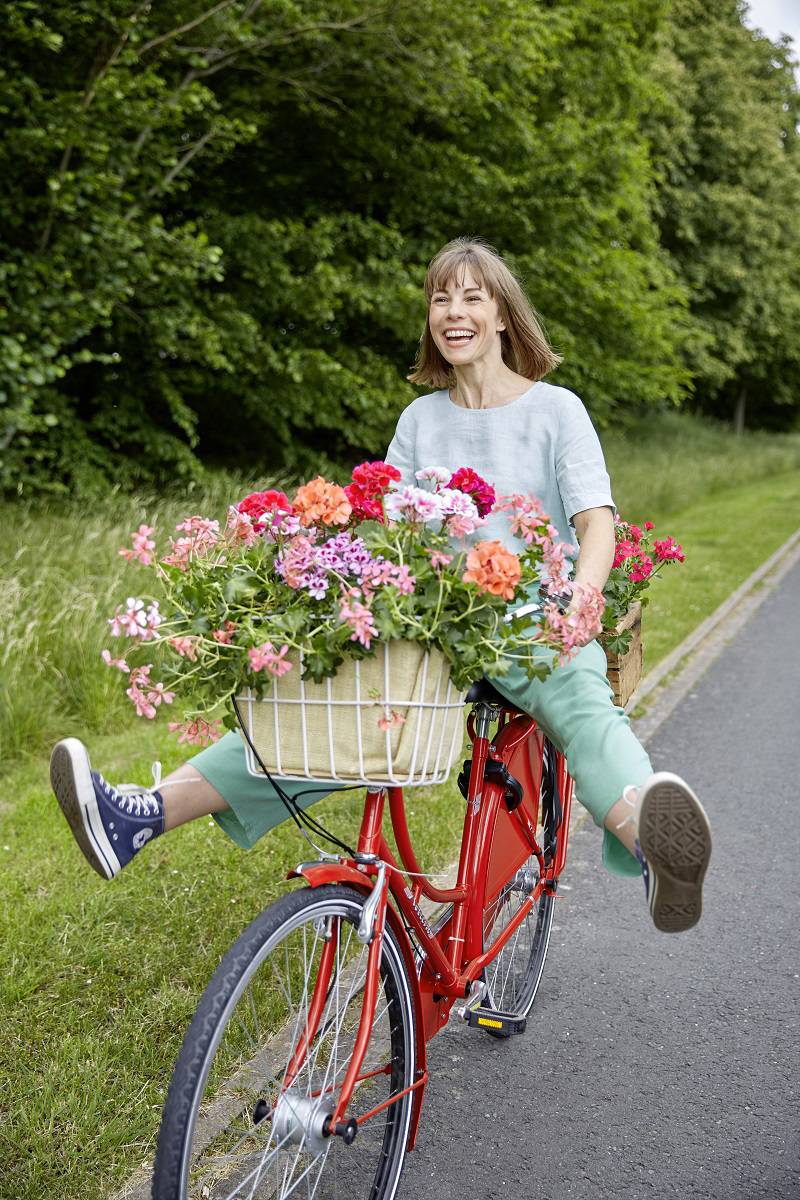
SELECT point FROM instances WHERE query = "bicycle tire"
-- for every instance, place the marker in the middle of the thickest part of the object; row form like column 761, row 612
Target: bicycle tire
column 512, row 978
column 216, row 1080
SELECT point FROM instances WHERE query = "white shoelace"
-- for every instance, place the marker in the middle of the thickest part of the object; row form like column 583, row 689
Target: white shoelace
column 141, row 797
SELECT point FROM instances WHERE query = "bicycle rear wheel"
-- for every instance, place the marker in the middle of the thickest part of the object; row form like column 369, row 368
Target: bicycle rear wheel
column 234, row 1124
column 512, row 978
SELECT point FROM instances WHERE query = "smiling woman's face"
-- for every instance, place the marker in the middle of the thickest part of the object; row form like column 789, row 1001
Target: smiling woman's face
column 464, row 320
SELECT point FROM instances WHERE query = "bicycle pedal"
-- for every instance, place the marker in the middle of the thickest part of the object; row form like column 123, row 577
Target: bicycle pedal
column 497, row 1022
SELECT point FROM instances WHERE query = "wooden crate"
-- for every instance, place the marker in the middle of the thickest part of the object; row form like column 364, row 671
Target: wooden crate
column 625, row 671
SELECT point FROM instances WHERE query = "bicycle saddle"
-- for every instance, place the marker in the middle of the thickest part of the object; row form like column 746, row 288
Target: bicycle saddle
column 483, row 692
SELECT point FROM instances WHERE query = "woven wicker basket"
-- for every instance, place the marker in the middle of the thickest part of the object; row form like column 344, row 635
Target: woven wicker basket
column 625, row 670
column 330, row 730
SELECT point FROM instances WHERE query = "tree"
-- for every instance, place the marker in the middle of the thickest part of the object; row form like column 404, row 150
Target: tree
column 218, row 219
column 724, row 132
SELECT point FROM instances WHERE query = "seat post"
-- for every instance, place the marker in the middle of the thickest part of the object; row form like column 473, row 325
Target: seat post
column 484, row 715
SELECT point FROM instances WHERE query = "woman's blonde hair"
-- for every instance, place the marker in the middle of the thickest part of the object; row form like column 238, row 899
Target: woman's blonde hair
column 523, row 344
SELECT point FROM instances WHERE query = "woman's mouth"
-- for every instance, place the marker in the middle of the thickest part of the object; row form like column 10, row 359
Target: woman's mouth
column 459, row 337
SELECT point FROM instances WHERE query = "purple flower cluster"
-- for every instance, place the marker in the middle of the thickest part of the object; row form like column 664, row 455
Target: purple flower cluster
column 303, row 564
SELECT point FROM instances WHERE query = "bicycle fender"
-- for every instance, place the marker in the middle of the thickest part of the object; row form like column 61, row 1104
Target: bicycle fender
column 318, row 873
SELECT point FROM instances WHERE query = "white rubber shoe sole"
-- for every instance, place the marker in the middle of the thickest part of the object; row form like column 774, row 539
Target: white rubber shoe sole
column 675, row 837
column 71, row 780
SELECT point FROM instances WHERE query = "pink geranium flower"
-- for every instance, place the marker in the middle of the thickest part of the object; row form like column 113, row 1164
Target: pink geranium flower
column 556, row 559
column 119, row 663
column 185, row 646
column 297, row 559
column 132, row 622
column 579, row 626
column 390, row 720
column 358, row 616
column 266, row 657
column 143, row 546
column 196, row 733
column 528, row 520
column 145, row 695
column 239, row 527
column 224, row 635
column 201, row 537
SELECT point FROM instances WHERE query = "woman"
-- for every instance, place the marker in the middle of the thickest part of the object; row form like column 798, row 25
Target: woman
column 485, row 352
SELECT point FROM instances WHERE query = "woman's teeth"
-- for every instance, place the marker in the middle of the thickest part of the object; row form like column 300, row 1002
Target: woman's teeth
column 459, row 337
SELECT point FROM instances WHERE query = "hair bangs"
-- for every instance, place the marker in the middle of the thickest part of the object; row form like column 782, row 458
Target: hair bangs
column 451, row 266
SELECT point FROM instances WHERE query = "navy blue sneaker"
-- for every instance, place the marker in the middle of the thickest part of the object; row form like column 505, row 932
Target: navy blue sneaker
column 674, row 848
column 110, row 824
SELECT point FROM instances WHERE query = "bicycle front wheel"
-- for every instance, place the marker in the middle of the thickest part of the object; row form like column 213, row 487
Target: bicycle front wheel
column 245, row 1115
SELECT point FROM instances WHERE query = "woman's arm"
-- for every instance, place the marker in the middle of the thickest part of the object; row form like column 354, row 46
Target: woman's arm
column 595, row 530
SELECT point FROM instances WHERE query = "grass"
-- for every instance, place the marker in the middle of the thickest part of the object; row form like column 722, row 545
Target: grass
column 101, row 980
column 672, row 463
column 725, row 540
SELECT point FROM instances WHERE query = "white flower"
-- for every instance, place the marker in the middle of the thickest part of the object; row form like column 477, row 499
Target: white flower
column 433, row 475
column 413, row 504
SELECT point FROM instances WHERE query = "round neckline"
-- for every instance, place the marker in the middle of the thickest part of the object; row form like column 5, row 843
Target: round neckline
column 493, row 407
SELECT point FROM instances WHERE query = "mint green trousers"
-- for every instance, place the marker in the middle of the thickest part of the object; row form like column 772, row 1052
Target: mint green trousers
column 574, row 706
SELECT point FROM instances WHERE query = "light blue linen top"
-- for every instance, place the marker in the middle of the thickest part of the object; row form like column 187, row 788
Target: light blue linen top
column 543, row 442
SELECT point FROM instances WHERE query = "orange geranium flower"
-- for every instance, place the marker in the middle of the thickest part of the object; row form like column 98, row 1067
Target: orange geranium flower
column 322, row 503
column 493, row 569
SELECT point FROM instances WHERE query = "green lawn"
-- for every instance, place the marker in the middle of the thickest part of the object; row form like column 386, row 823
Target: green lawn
column 725, row 540
column 100, row 980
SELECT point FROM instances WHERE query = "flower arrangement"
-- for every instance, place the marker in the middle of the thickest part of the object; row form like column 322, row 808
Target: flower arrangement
column 638, row 559
column 330, row 573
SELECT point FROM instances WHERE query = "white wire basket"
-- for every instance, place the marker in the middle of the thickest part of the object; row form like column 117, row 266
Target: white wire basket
column 331, row 730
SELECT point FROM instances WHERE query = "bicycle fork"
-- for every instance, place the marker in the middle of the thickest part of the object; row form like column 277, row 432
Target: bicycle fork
column 370, row 932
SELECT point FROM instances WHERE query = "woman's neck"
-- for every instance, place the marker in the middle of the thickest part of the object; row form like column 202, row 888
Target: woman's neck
column 476, row 388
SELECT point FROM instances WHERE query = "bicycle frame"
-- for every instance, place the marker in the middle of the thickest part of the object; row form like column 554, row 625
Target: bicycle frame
column 496, row 841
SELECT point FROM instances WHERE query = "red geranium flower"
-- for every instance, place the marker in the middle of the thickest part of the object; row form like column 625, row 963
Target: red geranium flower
column 469, row 481
column 370, row 483
column 258, row 503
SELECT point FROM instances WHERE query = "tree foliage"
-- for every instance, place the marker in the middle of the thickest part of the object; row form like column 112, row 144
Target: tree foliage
column 726, row 148
column 216, row 219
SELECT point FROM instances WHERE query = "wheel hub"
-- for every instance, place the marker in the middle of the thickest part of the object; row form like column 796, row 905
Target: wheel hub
column 301, row 1118
column 525, row 880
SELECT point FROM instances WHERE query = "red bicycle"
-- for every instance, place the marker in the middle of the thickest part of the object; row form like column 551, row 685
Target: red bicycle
column 304, row 1068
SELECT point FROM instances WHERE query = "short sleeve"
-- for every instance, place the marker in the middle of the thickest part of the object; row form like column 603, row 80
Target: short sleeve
column 401, row 449
column 580, row 467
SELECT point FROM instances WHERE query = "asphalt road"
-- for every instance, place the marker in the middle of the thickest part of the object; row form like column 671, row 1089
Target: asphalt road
column 653, row 1064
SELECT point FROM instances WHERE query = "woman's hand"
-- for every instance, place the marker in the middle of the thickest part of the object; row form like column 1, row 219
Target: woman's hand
column 595, row 530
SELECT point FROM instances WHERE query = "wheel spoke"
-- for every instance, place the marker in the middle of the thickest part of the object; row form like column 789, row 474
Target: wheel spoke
column 512, row 977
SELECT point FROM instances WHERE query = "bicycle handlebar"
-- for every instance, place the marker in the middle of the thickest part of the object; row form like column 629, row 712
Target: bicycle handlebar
column 523, row 611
